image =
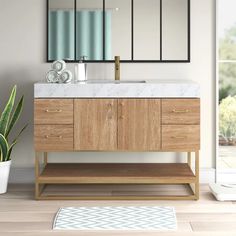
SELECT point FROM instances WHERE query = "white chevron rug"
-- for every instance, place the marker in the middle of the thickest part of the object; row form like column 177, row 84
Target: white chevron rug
column 116, row 218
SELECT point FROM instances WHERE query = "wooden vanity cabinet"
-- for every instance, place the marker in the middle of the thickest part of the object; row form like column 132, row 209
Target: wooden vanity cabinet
column 134, row 124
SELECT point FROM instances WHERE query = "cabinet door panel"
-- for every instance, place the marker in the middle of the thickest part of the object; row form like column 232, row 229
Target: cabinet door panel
column 139, row 124
column 95, row 124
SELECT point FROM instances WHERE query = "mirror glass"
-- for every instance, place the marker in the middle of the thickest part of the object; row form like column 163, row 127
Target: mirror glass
column 174, row 29
column 118, row 29
column 147, row 30
column 89, row 29
column 61, row 30
column 135, row 30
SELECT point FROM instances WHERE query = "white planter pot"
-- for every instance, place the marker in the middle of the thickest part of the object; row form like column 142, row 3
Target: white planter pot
column 4, row 175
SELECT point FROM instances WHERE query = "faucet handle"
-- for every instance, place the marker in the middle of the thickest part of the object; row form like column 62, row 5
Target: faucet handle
column 83, row 58
column 117, row 58
column 117, row 67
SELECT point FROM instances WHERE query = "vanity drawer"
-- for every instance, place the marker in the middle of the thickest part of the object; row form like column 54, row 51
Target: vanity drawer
column 53, row 111
column 180, row 111
column 181, row 137
column 53, row 137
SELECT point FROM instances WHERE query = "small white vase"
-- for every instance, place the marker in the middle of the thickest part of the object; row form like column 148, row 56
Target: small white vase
column 4, row 175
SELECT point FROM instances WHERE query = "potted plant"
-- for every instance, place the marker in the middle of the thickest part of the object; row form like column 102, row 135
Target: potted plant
column 8, row 119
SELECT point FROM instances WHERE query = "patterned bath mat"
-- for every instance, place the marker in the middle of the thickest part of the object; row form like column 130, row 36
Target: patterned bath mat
column 116, row 218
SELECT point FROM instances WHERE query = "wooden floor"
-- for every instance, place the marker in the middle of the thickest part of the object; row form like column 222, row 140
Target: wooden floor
column 21, row 215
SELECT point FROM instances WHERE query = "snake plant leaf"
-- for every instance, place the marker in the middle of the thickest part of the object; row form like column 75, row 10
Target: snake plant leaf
column 15, row 116
column 20, row 133
column 8, row 157
column 5, row 117
column 3, row 147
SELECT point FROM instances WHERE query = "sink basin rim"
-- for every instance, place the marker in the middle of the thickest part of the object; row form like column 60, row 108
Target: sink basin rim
column 112, row 82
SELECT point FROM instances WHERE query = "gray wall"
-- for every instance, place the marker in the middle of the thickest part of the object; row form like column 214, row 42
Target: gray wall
column 22, row 62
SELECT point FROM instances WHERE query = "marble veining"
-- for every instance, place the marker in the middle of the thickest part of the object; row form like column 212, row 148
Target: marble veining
column 150, row 89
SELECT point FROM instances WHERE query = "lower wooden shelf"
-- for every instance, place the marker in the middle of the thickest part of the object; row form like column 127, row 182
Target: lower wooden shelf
column 176, row 173
column 115, row 174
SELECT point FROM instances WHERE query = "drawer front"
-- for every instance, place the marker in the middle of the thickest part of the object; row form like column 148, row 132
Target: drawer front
column 53, row 111
column 53, row 137
column 180, row 111
column 181, row 137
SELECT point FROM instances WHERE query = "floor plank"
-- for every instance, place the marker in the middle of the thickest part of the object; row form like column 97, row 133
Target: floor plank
column 26, row 217
column 47, row 226
column 206, row 217
column 214, row 226
column 25, row 226
column 112, row 233
column 21, row 215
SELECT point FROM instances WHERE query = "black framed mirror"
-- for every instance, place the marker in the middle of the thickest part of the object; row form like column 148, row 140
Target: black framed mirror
column 136, row 30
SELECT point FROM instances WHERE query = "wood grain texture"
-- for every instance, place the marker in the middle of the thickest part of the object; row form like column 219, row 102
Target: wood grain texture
column 53, row 138
column 180, row 137
column 139, row 124
column 141, row 170
column 117, row 173
column 180, row 111
column 95, row 124
column 53, row 111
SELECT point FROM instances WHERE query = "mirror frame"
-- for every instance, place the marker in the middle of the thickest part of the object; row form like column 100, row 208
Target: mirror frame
column 188, row 60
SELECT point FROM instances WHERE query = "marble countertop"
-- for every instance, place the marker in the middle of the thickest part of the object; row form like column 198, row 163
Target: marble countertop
column 149, row 89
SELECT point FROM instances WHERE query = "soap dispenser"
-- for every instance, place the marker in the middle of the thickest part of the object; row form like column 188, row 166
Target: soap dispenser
column 81, row 70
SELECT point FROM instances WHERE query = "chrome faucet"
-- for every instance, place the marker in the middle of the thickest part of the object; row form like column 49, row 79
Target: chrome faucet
column 117, row 67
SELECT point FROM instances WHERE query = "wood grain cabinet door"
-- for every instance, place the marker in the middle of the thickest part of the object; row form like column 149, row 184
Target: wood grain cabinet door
column 139, row 124
column 95, row 124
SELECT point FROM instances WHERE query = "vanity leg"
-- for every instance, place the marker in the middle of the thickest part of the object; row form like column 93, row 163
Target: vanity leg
column 189, row 159
column 37, row 170
column 45, row 158
column 197, row 175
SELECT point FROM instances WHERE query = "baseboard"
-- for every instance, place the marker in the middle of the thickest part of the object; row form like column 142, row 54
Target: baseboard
column 26, row 175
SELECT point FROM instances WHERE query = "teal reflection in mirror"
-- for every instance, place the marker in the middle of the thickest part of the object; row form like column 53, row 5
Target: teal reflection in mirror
column 89, row 34
column 61, row 33
column 89, row 30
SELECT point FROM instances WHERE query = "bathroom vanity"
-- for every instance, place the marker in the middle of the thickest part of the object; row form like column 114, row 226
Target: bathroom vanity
column 142, row 116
